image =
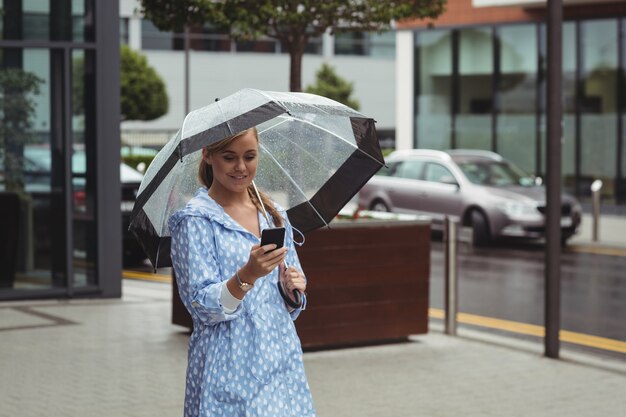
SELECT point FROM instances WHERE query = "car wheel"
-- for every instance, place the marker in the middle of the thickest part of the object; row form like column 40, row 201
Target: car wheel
column 379, row 205
column 480, row 228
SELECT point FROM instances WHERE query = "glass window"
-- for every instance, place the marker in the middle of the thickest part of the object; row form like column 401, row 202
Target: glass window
column 433, row 50
column 260, row 46
column 498, row 174
column 350, row 43
column 517, row 93
column 473, row 123
column 598, row 104
column 82, row 17
column 208, row 38
column 153, row 38
column 314, row 47
column 438, row 173
column 388, row 170
column 410, row 169
column 36, row 23
column 83, row 168
column 124, row 28
column 382, row 45
column 27, row 172
column 379, row 45
column 37, row 20
column 568, row 145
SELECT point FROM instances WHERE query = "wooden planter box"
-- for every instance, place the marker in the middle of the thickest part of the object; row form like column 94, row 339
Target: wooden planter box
column 368, row 282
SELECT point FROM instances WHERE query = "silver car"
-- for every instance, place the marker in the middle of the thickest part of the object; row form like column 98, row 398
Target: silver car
column 480, row 189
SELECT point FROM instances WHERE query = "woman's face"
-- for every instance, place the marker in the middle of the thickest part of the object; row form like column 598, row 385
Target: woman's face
column 234, row 168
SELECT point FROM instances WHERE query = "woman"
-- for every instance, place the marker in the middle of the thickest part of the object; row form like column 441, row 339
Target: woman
column 245, row 357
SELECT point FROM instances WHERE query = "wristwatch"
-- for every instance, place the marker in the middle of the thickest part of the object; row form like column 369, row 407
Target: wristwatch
column 243, row 286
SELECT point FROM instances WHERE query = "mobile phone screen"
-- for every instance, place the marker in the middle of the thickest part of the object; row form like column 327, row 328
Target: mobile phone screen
column 275, row 235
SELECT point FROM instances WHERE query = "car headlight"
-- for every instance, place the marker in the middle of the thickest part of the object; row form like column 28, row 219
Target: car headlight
column 520, row 211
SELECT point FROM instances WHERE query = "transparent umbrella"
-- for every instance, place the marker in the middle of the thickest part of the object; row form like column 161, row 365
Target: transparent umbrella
column 315, row 155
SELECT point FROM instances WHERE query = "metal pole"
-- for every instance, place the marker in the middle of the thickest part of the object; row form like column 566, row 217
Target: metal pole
column 451, row 288
column 553, row 183
column 596, row 187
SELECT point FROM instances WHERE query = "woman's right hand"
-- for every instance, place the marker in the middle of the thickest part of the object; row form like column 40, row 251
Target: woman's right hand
column 261, row 262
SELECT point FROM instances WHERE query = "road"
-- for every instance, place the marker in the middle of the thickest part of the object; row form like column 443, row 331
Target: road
column 506, row 281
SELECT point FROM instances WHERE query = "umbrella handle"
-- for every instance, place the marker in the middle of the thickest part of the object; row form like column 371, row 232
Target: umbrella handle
column 296, row 302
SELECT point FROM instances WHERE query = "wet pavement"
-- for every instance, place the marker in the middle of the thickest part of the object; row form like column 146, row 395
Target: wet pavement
column 123, row 357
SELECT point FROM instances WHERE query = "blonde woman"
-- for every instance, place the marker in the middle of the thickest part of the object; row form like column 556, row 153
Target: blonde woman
column 245, row 358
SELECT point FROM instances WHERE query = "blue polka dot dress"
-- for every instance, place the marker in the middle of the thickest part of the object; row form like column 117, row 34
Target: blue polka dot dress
column 248, row 363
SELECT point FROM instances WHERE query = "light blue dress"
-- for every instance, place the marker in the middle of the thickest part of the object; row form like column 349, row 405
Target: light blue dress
column 248, row 363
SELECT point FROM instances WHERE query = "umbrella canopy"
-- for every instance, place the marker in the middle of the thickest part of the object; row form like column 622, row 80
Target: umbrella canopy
column 314, row 156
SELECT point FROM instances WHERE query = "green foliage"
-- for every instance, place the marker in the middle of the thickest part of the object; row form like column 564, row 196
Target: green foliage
column 282, row 19
column 143, row 91
column 78, row 86
column 134, row 160
column 17, row 109
column 387, row 151
column 331, row 85
column 292, row 22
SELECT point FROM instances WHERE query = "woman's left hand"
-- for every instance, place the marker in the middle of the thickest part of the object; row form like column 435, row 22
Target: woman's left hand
column 292, row 279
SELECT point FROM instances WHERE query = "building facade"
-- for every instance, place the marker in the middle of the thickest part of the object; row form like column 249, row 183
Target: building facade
column 476, row 79
column 219, row 66
column 60, row 228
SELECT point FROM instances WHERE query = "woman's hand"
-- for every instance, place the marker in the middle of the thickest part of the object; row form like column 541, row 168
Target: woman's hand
column 292, row 279
column 261, row 262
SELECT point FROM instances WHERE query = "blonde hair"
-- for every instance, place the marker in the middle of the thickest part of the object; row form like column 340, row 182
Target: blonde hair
column 205, row 175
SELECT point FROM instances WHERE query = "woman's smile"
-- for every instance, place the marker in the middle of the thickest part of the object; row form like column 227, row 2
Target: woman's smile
column 239, row 177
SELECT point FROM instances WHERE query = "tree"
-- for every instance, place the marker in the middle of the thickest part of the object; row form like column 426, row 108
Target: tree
column 17, row 109
column 291, row 22
column 143, row 91
column 331, row 85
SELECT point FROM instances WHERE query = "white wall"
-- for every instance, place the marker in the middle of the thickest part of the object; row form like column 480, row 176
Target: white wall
column 216, row 75
column 405, row 90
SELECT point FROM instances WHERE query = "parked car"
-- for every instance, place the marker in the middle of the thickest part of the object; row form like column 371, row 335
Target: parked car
column 479, row 189
column 37, row 182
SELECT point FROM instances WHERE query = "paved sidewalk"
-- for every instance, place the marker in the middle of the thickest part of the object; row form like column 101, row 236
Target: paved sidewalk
column 123, row 358
column 611, row 232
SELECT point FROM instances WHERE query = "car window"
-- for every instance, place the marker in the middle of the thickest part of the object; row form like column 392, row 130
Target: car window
column 410, row 169
column 388, row 170
column 495, row 173
column 438, row 173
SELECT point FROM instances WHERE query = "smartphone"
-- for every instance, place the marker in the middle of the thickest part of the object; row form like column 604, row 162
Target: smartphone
column 275, row 235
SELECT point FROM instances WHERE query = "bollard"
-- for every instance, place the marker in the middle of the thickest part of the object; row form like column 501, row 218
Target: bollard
column 596, row 188
column 451, row 289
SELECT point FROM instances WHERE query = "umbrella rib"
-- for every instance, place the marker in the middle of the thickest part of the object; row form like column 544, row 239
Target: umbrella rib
column 293, row 182
column 273, row 127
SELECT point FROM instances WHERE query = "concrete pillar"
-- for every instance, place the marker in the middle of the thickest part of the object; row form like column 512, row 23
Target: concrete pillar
column 405, row 115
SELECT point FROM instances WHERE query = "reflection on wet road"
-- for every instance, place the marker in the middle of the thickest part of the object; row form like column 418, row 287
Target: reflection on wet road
column 507, row 282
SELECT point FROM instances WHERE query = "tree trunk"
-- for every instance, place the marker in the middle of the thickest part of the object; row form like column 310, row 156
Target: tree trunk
column 296, row 50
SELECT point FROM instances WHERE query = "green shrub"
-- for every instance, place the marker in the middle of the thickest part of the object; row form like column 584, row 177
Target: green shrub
column 134, row 160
